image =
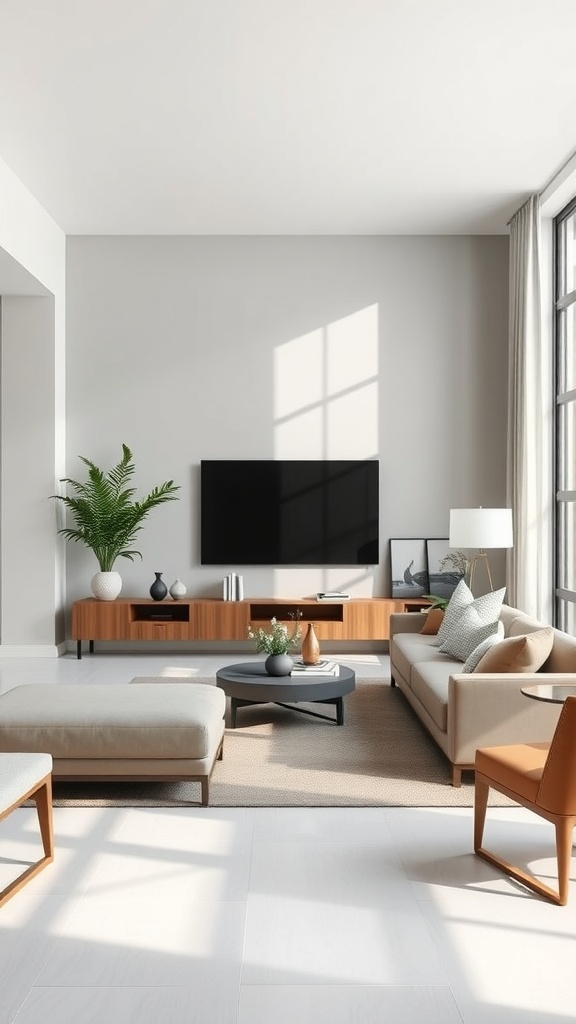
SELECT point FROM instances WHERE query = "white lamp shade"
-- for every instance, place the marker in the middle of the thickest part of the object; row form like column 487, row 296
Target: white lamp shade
column 480, row 528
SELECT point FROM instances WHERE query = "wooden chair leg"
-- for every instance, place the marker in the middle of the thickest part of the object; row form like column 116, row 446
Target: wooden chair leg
column 481, row 791
column 43, row 800
column 456, row 777
column 564, row 829
column 564, row 832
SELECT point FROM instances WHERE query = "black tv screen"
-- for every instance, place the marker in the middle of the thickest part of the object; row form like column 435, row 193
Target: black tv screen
column 272, row 512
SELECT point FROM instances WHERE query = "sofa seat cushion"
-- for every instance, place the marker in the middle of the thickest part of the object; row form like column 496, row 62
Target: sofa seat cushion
column 407, row 649
column 429, row 683
column 171, row 720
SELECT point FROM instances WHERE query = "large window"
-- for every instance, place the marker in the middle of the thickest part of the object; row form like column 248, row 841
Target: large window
column 565, row 488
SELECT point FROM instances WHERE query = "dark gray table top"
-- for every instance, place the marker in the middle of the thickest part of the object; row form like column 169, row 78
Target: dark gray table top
column 250, row 681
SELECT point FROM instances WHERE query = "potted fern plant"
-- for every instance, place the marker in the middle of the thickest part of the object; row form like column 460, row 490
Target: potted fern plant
column 107, row 517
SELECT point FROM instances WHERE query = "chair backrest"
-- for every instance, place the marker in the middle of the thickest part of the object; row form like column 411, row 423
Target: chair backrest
column 557, row 790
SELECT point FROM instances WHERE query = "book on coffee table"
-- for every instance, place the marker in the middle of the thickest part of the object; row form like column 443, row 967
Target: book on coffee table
column 322, row 668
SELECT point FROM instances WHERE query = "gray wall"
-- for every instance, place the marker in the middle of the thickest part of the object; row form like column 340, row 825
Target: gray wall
column 317, row 347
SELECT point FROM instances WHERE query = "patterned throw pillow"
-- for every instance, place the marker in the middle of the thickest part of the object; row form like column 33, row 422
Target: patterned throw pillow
column 478, row 621
column 479, row 651
column 462, row 596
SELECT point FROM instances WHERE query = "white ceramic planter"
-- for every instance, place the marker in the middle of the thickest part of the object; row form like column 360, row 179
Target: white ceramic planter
column 177, row 590
column 106, row 585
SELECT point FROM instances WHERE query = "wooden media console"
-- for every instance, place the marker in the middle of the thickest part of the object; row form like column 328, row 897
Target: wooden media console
column 132, row 618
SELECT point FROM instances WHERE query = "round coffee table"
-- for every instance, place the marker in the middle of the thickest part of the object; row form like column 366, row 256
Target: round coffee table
column 249, row 683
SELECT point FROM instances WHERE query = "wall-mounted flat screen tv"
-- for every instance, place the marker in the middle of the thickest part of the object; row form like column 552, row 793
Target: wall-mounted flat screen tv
column 274, row 512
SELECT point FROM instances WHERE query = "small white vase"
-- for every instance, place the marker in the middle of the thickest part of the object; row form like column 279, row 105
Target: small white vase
column 106, row 585
column 177, row 589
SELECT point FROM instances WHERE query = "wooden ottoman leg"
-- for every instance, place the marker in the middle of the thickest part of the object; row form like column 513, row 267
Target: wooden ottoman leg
column 41, row 793
column 43, row 800
column 205, row 790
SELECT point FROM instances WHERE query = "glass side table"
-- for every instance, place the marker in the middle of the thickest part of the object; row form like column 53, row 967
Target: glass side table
column 552, row 693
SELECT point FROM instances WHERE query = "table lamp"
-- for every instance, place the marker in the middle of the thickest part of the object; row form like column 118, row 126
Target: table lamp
column 480, row 528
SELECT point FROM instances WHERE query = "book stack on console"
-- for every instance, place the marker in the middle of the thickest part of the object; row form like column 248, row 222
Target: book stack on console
column 233, row 587
column 332, row 595
column 321, row 668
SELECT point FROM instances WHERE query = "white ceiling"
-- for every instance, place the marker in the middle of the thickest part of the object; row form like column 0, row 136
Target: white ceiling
column 286, row 116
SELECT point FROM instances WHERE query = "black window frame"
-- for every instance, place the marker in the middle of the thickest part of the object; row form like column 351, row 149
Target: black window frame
column 564, row 498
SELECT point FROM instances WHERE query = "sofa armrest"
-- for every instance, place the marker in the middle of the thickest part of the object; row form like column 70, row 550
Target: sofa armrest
column 406, row 622
column 490, row 710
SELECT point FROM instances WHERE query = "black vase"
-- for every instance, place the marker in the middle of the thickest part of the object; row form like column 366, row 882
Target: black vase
column 158, row 590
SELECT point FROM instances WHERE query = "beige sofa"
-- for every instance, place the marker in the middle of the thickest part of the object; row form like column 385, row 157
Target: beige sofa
column 466, row 711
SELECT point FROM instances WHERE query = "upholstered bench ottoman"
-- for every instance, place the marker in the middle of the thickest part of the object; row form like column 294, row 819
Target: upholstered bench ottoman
column 123, row 732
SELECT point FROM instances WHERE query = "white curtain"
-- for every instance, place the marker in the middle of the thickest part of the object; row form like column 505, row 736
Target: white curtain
column 529, row 453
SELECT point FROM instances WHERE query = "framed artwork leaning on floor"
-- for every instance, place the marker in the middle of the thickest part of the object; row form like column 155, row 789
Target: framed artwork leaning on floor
column 444, row 572
column 408, row 566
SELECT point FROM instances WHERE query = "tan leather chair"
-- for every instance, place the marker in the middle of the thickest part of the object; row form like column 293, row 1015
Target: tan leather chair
column 539, row 776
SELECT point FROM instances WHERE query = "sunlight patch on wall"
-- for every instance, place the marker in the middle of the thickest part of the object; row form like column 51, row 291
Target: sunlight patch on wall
column 352, row 424
column 301, row 437
column 326, row 407
column 299, row 375
column 326, row 391
column 352, row 351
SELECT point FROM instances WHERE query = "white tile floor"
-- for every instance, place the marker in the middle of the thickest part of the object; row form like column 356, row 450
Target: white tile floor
column 275, row 916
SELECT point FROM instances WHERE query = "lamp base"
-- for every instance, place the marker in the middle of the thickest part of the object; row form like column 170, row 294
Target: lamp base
column 481, row 555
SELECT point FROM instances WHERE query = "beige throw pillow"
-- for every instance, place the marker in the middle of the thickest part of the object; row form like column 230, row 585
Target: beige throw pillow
column 526, row 653
column 433, row 621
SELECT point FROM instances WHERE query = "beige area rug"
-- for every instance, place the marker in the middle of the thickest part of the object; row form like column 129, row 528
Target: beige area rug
column 381, row 757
